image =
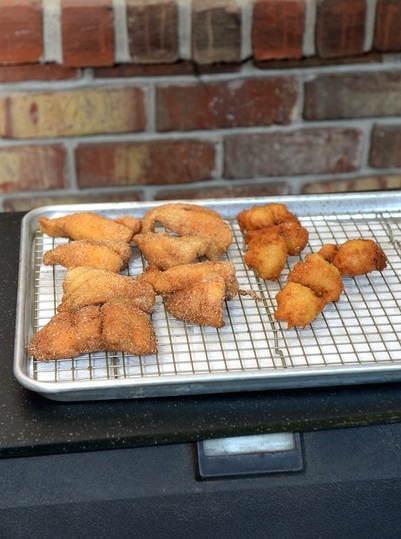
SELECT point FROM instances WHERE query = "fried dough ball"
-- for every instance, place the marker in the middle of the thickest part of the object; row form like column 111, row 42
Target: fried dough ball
column 295, row 235
column 328, row 251
column 191, row 220
column 297, row 305
column 267, row 258
column 319, row 275
column 359, row 256
column 263, row 216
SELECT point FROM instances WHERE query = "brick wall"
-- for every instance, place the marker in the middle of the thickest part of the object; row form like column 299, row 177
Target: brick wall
column 162, row 99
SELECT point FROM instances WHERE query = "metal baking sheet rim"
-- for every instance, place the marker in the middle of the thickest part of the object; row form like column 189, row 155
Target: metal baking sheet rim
column 224, row 383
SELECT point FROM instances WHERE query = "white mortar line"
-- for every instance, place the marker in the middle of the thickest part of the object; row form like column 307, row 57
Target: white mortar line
column 369, row 25
column 308, row 45
column 184, row 29
column 121, row 39
column 246, row 28
column 53, row 50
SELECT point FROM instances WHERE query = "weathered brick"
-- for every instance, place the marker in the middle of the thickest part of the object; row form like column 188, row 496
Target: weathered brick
column 367, row 183
column 21, row 31
column 74, row 112
column 216, row 31
column 39, row 72
column 152, row 31
column 298, row 152
column 359, row 95
column 387, row 35
column 87, row 32
column 385, row 146
column 30, row 168
column 143, row 163
column 340, row 27
column 278, row 29
column 228, row 191
column 226, row 104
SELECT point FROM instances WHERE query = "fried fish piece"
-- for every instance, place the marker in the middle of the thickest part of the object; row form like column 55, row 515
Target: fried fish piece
column 319, row 275
column 68, row 334
column 85, row 226
column 164, row 250
column 263, row 216
column 298, row 305
column 191, row 220
column 130, row 222
column 180, row 277
column 91, row 286
column 359, row 256
column 294, row 234
column 267, row 258
column 126, row 328
column 328, row 251
column 108, row 255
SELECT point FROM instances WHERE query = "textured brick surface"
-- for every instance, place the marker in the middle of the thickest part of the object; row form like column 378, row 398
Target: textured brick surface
column 340, row 27
column 278, row 29
column 226, row 104
column 25, row 168
column 87, row 32
column 216, row 31
column 359, row 95
column 228, row 191
column 152, row 30
column 69, row 113
column 385, row 146
column 303, row 151
column 371, row 183
column 156, row 162
column 38, row 72
column 388, row 24
column 21, row 32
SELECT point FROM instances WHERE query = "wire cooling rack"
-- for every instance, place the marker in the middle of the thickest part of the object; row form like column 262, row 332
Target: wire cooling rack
column 351, row 341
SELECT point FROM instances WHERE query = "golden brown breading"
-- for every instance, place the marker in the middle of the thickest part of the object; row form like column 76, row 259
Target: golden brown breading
column 164, row 250
column 85, row 226
column 125, row 328
column 191, row 220
column 130, row 222
column 267, row 259
column 297, row 305
column 109, row 255
column 68, row 334
column 263, row 216
column 179, row 277
column 201, row 303
column 90, row 286
column 328, row 251
column 319, row 275
column 359, row 256
column 295, row 235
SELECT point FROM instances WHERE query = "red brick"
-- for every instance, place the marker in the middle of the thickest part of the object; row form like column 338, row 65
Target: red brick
column 228, row 191
column 226, row 104
column 87, row 32
column 385, row 146
column 144, row 163
column 153, row 31
column 40, row 72
column 278, row 29
column 21, row 31
column 359, row 95
column 30, row 168
column 387, row 26
column 299, row 152
column 164, row 70
column 370, row 183
column 81, row 111
column 216, row 31
column 340, row 27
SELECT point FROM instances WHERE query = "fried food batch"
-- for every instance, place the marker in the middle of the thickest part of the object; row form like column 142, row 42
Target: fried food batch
column 189, row 232
column 195, row 293
column 317, row 280
column 272, row 234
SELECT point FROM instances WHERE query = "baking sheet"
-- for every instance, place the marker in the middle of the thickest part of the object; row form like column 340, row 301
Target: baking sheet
column 352, row 341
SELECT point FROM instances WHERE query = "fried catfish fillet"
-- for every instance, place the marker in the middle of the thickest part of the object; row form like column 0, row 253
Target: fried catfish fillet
column 359, row 256
column 180, row 277
column 68, row 334
column 298, row 305
column 86, row 225
column 91, row 286
column 191, row 220
column 201, row 303
column 108, row 255
column 164, row 250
